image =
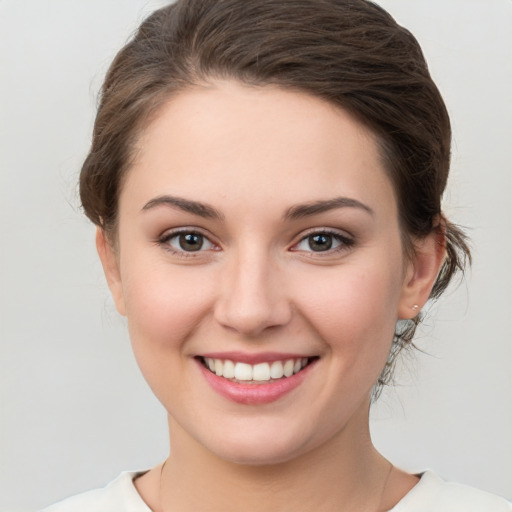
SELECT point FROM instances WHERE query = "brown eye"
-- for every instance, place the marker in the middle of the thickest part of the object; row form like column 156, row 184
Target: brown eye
column 324, row 241
column 320, row 242
column 191, row 241
column 188, row 241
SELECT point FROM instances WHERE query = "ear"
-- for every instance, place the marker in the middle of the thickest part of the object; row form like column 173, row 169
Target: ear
column 110, row 262
column 421, row 272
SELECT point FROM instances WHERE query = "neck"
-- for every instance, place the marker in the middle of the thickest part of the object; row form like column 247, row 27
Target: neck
column 346, row 471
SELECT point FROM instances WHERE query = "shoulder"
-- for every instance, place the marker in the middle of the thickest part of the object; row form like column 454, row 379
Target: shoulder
column 119, row 495
column 433, row 493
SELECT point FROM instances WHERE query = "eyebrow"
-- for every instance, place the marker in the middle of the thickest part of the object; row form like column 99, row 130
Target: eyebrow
column 305, row 210
column 295, row 212
column 194, row 207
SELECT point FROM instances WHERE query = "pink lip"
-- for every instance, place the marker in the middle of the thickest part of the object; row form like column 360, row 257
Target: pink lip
column 254, row 394
column 262, row 357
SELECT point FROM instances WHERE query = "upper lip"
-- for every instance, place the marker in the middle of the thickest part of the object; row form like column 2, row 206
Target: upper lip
column 261, row 357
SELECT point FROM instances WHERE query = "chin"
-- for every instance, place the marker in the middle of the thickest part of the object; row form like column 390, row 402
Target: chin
column 260, row 447
column 257, row 455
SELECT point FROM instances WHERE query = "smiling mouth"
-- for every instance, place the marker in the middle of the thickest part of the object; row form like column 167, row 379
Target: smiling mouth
column 261, row 373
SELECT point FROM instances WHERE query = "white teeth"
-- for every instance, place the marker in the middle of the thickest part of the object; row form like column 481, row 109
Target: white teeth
column 276, row 370
column 288, row 368
column 229, row 369
column 243, row 371
column 261, row 372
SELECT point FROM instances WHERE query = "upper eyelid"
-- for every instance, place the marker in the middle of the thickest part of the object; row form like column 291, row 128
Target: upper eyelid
column 171, row 232
column 330, row 231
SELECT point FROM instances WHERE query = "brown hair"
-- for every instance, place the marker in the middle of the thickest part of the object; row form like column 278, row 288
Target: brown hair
column 349, row 52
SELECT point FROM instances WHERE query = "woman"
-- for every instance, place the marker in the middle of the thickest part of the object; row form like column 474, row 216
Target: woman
column 266, row 178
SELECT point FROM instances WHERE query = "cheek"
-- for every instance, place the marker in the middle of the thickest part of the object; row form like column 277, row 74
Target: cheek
column 354, row 309
column 164, row 305
column 164, row 308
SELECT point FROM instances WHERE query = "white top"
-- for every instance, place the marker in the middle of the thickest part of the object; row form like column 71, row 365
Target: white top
column 430, row 494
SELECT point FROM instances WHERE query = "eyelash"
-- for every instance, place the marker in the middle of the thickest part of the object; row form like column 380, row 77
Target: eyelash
column 345, row 242
column 165, row 239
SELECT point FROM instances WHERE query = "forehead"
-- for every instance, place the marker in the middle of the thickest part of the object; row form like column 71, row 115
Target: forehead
column 256, row 144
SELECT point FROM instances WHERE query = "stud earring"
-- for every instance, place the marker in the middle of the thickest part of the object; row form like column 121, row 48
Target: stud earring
column 415, row 307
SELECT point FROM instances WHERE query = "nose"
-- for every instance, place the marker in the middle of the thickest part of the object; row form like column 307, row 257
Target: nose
column 252, row 297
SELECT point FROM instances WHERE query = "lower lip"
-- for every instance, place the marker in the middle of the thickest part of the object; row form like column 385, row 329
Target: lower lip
column 255, row 394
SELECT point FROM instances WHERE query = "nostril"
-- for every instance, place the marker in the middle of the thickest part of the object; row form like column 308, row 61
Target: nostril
column 250, row 298
column 252, row 314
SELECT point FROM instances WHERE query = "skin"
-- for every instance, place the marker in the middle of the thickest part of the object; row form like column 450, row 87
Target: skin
column 254, row 155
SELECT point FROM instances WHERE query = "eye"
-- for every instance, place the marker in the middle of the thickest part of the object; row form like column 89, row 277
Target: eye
column 187, row 241
column 323, row 241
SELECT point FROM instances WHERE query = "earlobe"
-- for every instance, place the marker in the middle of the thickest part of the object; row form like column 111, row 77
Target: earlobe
column 421, row 273
column 110, row 263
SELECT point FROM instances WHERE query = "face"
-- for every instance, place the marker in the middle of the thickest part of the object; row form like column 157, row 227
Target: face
column 260, row 267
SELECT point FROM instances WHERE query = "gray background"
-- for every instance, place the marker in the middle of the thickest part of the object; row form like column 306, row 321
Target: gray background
column 74, row 409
